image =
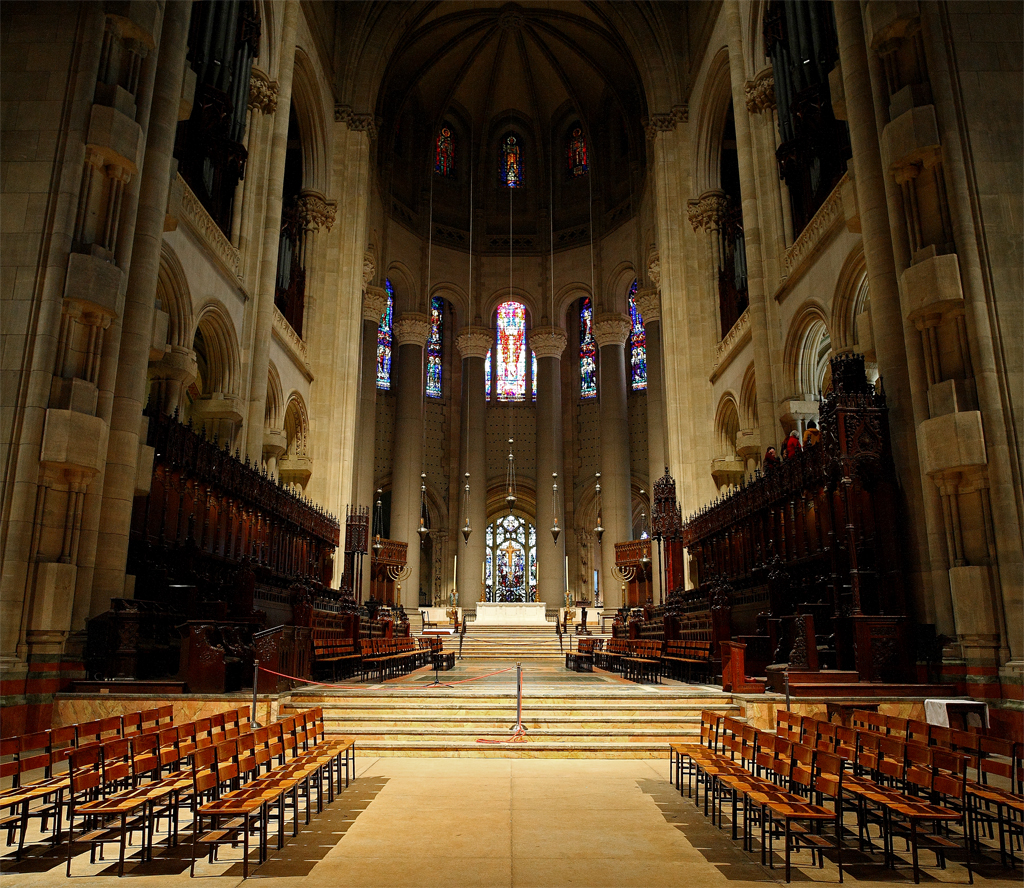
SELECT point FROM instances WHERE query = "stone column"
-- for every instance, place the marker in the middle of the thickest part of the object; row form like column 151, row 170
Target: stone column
column 648, row 301
column 411, row 332
column 549, row 343
column 1003, row 463
column 472, row 343
column 115, row 511
column 924, row 527
column 758, row 308
column 375, row 302
column 611, row 330
column 267, row 278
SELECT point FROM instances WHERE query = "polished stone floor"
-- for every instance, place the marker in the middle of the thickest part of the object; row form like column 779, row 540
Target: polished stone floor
column 514, row 823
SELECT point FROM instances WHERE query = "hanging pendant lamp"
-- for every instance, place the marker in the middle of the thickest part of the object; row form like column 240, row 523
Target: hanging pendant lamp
column 466, row 530
column 423, row 530
column 555, row 529
column 510, row 497
column 598, row 530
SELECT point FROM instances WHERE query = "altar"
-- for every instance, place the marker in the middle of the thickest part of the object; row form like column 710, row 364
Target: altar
column 511, row 613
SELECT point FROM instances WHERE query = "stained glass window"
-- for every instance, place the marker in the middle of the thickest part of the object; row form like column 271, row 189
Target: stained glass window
column 384, row 341
column 444, row 153
column 511, row 165
column 487, row 376
column 510, row 562
column 576, row 153
column 434, row 347
column 511, row 364
column 533, row 372
column 588, row 351
column 637, row 345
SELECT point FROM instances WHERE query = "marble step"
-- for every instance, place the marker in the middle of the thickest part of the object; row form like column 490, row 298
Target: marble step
column 467, row 721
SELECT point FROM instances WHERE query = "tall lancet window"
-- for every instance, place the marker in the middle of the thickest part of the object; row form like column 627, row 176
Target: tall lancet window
column 434, row 347
column 487, row 376
column 384, row 341
column 444, row 153
column 510, row 371
column 510, row 560
column 533, row 373
column 588, row 351
column 637, row 344
column 576, row 152
column 511, row 162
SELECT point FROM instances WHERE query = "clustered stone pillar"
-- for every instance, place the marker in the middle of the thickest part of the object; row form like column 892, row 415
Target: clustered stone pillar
column 611, row 330
column 930, row 588
column 266, row 284
column 648, row 301
column 112, row 518
column 472, row 344
column 548, row 343
column 411, row 332
column 375, row 302
column 757, row 307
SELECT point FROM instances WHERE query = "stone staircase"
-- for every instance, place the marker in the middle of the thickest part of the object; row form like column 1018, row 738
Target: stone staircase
column 512, row 643
column 628, row 722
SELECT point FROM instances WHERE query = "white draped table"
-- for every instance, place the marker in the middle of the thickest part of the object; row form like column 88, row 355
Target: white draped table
column 511, row 613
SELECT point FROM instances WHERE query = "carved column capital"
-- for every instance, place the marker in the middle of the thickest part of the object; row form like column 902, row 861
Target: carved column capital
column 375, row 303
column 760, row 92
column 474, row 342
column 665, row 123
column 412, row 328
column 315, row 211
column 654, row 268
column 366, row 123
column 611, row 328
column 262, row 92
column 548, row 342
column 708, row 210
column 648, row 301
column 369, row 267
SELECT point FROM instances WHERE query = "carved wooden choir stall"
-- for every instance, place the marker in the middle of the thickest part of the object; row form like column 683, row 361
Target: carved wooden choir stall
column 799, row 572
column 229, row 567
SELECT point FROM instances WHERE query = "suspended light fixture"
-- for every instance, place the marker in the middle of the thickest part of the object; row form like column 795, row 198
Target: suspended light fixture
column 598, row 530
column 466, row 530
column 510, row 479
column 423, row 530
column 378, row 523
column 555, row 529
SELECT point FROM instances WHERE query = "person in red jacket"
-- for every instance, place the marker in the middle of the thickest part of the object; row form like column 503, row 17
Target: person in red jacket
column 792, row 445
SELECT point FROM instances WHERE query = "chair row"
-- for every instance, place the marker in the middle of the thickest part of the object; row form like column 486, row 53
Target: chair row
column 688, row 659
column 41, row 750
column 792, row 789
column 334, row 651
column 232, row 788
column 39, row 767
column 387, row 657
column 992, row 758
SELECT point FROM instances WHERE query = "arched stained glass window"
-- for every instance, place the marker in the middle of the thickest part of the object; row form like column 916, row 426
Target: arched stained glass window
column 511, row 355
column 637, row 344
column 588, row 351
column 533, row 373
column 434, row 347
column 444, row 153
column 576, row 152
column 487, row 376
column 510, row 562
column 511, row 164
column 384, row 341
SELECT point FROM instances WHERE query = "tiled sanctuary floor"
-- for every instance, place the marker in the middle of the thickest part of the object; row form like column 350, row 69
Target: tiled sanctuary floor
column 508, row 823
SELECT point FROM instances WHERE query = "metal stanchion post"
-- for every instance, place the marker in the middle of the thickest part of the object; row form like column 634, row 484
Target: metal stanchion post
column 255, row 686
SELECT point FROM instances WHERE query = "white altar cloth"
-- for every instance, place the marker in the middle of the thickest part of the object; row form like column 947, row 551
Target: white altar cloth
column 511, row 613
